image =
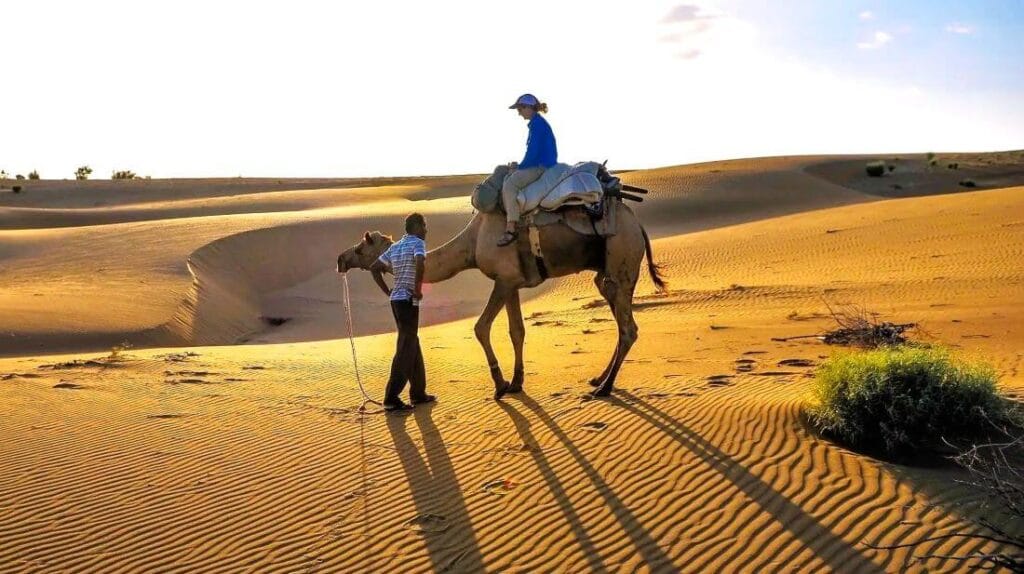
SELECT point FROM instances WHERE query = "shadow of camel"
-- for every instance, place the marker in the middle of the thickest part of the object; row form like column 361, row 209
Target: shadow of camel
column 594, row 560
column 839, row 554
column 436, row 491
column 652, row 554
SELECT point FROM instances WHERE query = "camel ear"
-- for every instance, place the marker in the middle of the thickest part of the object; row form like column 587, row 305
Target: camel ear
column 366, row 238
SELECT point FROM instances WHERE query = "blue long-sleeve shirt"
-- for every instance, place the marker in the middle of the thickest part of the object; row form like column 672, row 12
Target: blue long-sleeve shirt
column 541, row 150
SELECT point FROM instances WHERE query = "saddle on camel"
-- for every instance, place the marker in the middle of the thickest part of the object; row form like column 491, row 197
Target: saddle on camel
column 580, row 196
column 576, row 221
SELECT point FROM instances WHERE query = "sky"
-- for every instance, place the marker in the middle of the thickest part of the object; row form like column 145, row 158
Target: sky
column 346, row 89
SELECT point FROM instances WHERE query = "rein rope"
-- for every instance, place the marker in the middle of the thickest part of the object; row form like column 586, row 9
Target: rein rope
column 352, row 343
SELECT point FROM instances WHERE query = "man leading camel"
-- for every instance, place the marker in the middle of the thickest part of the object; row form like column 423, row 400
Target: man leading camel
column 541, row 153
column 406, row 260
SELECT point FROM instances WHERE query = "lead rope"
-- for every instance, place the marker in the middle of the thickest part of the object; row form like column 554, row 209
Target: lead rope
column 352, row 343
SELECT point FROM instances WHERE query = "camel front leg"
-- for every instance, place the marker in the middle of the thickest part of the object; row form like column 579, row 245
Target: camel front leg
column 517, row 332
column 483, row 334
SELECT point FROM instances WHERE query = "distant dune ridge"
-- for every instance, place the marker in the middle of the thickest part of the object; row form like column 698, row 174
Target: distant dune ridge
column 229, row 438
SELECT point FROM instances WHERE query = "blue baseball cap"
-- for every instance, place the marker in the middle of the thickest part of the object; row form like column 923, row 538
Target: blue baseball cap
column 525, row 100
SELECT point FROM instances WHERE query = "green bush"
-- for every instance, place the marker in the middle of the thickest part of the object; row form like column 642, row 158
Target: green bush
column 126, row 174
column 33, row 174
column 875, row 168
column 904, row 400
column 83, row 172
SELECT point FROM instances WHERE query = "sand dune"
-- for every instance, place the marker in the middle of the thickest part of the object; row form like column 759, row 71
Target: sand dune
column 256, row 458
column 84, row 278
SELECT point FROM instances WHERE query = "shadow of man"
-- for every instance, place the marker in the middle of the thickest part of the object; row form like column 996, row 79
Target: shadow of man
column 839, row 554
column 436, row 494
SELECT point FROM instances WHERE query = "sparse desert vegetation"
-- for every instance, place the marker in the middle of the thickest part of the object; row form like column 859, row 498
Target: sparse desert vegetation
column 902, row 399
column 125, row 174
column 875, row 168
column 83, row 173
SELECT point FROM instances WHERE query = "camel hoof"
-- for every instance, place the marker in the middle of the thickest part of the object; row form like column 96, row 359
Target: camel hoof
column 595, row 382
column 500, row 391
column 602, row 391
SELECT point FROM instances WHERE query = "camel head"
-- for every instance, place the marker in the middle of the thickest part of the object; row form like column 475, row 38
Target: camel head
column 364, row 253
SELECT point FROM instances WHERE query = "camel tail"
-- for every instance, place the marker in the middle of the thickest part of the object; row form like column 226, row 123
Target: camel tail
column 653, row 268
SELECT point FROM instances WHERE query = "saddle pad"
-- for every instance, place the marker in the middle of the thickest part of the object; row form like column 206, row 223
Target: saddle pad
column 577, row 219
column 562, row 185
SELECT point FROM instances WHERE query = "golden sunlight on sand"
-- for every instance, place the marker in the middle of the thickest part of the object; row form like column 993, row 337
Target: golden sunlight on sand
column 229, row 439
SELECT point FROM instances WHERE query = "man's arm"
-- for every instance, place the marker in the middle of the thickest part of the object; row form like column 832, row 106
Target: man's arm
column 420, row 269
column 377, row 270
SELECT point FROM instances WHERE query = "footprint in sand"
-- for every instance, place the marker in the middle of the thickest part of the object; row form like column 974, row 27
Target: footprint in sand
column 594, row 426
column 745, row 365
column 75, row 364
column 67, row 385
column 10, row 376
column 253, row 367
column 188, row 382
column 501, row 486
column 429, row 523
column 179, row 357
column 657, row 395
column 166, row 416
column 796, row 363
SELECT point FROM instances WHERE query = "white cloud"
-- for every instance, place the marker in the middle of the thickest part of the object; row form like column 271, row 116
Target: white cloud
column 878, row 39
column 958, row 28
column 686, row 13
column 867, row 15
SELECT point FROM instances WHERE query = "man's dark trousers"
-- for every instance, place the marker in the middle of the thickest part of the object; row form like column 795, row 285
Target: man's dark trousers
column 407, row 366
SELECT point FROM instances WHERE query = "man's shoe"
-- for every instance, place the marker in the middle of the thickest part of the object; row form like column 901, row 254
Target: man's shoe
column 508, row 238
column 396, row 406
column 424, row 400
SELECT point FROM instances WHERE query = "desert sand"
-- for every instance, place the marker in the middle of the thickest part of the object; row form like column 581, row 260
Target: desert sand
column 229, row 438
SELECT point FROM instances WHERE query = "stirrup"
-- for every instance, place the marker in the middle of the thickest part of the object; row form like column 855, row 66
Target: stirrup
column 508, row 238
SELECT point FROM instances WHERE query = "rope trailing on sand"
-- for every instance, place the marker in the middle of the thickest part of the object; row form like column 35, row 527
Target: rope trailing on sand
column 352, row 343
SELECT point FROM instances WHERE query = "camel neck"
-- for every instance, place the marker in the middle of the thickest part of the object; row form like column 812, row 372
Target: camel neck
column 453, row 257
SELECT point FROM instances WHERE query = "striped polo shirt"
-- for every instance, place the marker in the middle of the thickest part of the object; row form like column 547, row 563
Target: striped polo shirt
column 401, row 259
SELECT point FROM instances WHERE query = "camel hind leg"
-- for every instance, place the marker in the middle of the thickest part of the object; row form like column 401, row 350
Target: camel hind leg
column 607, row 293
column 622, row 269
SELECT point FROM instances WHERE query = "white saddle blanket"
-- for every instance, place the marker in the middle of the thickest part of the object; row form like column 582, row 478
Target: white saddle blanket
column 560, row 185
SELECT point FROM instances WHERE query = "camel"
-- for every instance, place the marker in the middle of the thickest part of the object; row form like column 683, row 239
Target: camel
column 616, row 260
